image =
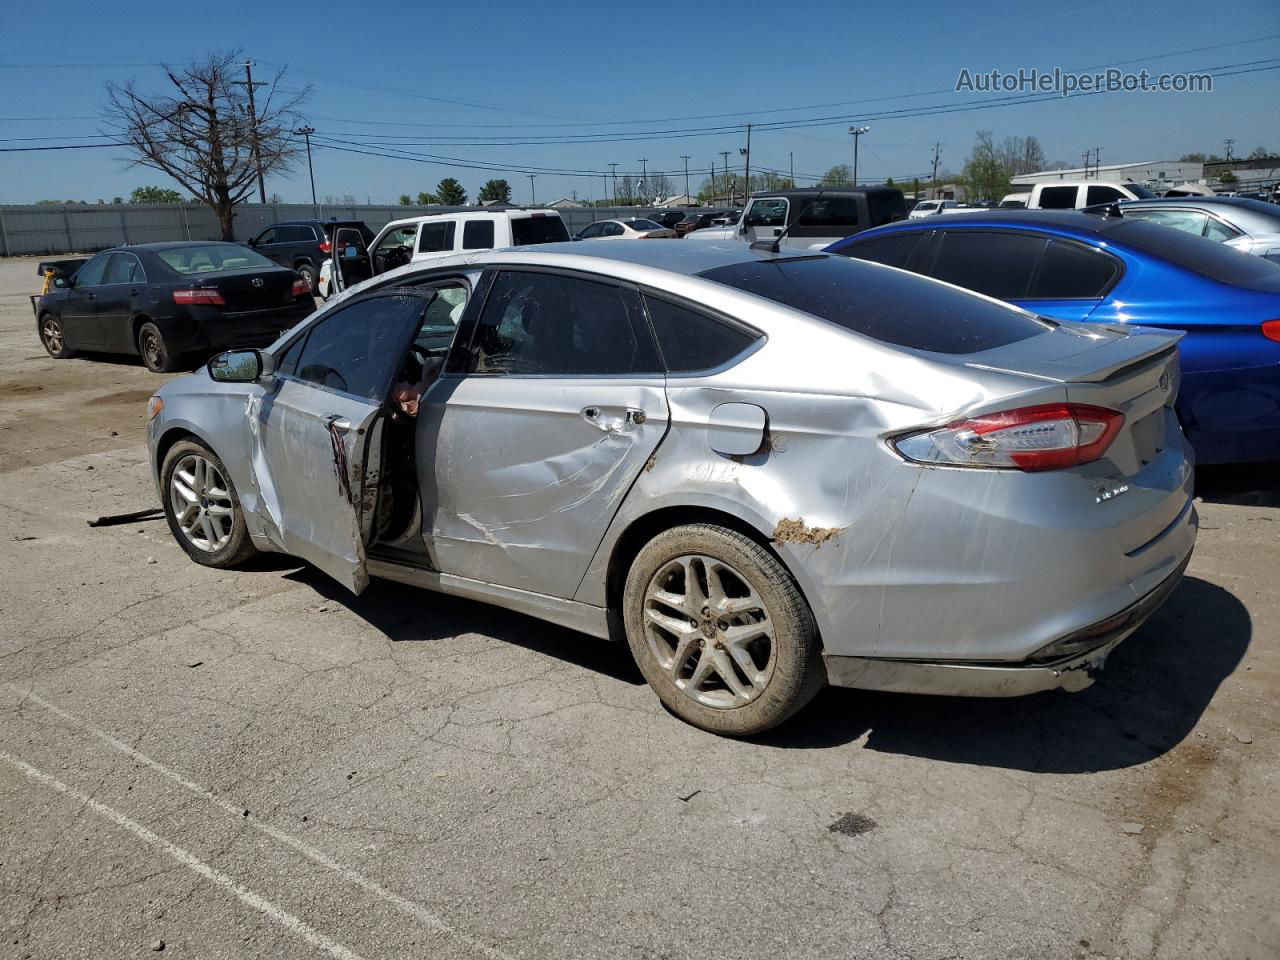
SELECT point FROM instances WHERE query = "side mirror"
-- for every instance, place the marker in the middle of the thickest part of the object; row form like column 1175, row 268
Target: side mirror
column 241, row 366
column 253, row 242
column 62, row 281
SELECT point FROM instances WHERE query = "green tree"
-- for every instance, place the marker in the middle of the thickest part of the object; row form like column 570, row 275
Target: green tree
column 985, row 175
column 117, row 199
column 497, row 191
column 1259, row 153
column 838, row 176
column 888, row 182
column 426, row 199
column 450, row 193
column 1227, row 177
column 154, row 195
column 405, row 200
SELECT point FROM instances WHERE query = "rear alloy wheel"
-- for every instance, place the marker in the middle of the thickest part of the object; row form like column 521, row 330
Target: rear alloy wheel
column 155, row 352
column 308, row 273
column 719, row 629
column 52, row 337
column 202, row 507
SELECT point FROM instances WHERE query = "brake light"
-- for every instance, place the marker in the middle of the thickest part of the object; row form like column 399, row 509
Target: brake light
column 1045, row 437
column 324, row 246
column 1271, row 329
column 301, row 288
column 207, row 296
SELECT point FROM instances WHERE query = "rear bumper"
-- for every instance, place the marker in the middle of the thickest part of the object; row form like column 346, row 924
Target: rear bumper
column 959, row 679
column 211, row 329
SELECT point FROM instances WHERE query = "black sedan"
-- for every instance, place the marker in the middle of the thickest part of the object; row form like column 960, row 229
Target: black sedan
column 163, row 301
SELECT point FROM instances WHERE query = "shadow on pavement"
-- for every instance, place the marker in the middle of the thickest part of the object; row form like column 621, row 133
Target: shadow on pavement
column 1155, row 687
column 410, row 615
column 1243, row 484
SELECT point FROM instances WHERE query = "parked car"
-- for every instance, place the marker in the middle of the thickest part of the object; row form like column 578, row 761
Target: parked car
column 1123, row 271
column 695, row 221
column 1251, row 226
column 765, row 472
column 635, row 229
column 931, row 208
column 810, row 217
column 166, row 301
column 726, row 218
column 1078, row 194
column 304, row 245
column 668, row 218
column 433, row 236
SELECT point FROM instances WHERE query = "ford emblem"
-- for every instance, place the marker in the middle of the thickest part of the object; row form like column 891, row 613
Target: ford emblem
column 257, row 282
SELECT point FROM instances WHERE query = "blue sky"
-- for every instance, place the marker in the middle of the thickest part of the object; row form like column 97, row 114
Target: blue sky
column 531, row 71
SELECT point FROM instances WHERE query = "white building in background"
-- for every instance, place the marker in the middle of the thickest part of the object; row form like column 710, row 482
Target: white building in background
column 565, row 203
column 1156, row 175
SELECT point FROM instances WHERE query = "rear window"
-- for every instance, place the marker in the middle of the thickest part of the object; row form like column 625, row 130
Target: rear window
column 528, row 230
column 1205, row 257
column 214, row 257
column 885, row 305
column 893, row 250
column 356, row 224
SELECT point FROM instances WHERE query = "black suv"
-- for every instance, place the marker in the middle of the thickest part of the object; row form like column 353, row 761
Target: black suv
column 303, row 244
column 668, row 218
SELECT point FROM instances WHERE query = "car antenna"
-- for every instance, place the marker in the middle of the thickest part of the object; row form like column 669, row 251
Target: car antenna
column 775, row 245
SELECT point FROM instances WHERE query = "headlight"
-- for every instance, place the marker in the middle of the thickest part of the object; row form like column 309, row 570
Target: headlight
column 154, row 406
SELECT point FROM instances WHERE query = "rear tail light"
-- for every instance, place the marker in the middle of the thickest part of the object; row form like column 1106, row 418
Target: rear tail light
column 324, row 246
column 207, row 296
column 301, row 288
column 1045, row 437
column 1271, row 329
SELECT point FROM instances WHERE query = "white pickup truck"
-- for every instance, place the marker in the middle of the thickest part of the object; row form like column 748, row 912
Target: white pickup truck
column 1078, row 194
column 434, row 235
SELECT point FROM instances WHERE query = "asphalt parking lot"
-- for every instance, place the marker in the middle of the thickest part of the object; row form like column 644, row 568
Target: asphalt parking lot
column 252, row 764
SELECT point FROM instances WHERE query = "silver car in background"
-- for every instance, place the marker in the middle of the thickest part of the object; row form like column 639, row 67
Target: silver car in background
column 766, row 472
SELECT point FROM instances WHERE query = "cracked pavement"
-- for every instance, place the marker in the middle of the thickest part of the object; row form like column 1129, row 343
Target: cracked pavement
column 257, row 763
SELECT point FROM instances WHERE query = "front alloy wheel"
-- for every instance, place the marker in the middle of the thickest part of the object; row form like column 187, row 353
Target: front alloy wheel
column 201, row 503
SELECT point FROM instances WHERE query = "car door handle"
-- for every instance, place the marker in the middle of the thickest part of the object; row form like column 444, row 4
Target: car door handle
column 91, row 296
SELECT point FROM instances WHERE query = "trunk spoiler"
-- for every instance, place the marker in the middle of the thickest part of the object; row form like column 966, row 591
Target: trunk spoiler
column 1093, row 355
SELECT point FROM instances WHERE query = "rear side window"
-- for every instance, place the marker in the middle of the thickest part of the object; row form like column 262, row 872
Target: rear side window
column 829, row 212
column 691, row 341
column 436, row 237
column 1102, row 195
column 546, row 323
column 1070, row 271
column 894, row 251
column 885, row 208
column 477, row 235
column 885, row 305
column 529, row 230
column 1058, row 198
column 997, row 264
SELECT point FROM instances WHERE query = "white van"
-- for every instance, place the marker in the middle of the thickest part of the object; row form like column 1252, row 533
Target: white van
column 436, row 235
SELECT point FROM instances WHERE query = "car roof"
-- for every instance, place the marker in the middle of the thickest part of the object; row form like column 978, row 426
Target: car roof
column 172, row 245
column 814, row 191
column 675, row 256
column 1072, row 220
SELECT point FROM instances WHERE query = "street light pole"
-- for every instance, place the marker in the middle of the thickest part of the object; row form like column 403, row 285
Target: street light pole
column 533, row 201
column 727, row 185
column 307, row 132
column 644, row 176
column 685, row 158
column 857, row 134
column 613, row 169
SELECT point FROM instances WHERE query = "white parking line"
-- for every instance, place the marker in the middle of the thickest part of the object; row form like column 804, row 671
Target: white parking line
column 404, row 905
column 190, row 861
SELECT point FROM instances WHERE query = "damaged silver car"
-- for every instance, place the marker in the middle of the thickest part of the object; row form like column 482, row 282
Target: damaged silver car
column 765, row 471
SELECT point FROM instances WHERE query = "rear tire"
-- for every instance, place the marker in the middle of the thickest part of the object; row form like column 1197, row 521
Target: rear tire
column 155, row 353
column 308, row 273
column 719, row 629
column 53, row 338
column 202, row 506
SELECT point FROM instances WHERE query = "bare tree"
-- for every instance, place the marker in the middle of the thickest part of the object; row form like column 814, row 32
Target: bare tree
column 203, row 132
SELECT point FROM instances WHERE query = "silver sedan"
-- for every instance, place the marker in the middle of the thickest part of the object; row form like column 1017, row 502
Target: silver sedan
column 765, row 472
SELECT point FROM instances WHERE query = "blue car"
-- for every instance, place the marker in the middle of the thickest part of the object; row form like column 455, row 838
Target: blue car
column 1114, row 269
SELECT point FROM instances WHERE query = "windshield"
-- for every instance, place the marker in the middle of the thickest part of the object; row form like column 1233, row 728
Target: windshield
column 214, row 258
column 887, row 305
column 1208, row 258
column 1139, row 191
column 528, row 230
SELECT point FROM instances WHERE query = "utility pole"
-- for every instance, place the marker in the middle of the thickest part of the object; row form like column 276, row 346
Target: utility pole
column 937, row 153
column 1085, row 155
column 1229, row 143
column 685, row 158
column 728, row 185
column 713, row 182
column 792, row 158
column 249, row 85
column 857, row 133
column 746, row 179
column 307, row 132
column 613, row 168
column 644, row 176
column 533, row 197
column 1097, row 163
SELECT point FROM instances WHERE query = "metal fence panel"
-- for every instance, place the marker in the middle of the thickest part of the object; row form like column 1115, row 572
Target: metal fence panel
column 85, row 228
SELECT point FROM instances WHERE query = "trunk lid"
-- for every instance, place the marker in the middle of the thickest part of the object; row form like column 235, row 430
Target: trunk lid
column 246, row 291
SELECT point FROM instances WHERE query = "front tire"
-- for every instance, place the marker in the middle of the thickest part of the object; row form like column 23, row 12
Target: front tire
column 155, row 353
column 720, row 631
column 53, row 338
column 202, row 506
